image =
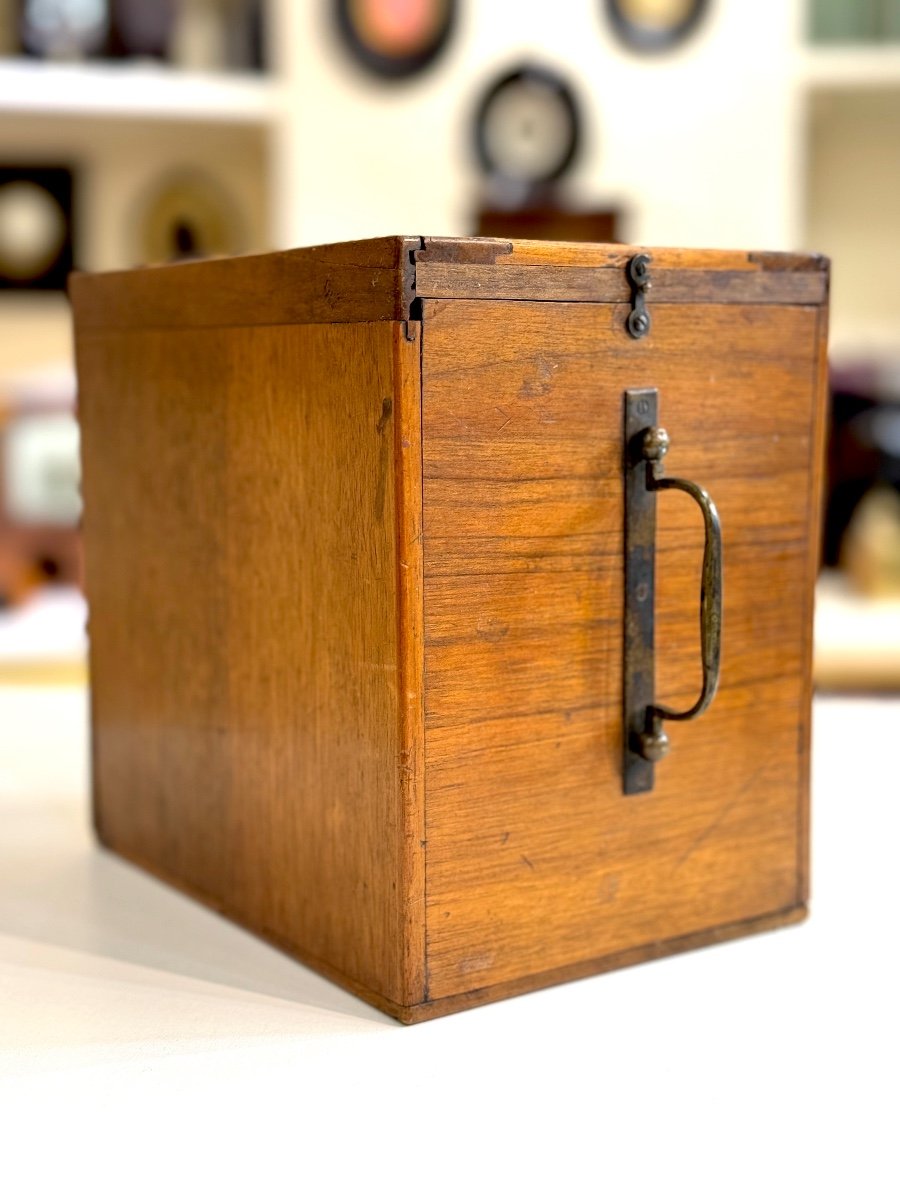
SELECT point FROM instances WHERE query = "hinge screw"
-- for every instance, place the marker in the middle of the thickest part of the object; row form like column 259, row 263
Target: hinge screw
column 639, row 323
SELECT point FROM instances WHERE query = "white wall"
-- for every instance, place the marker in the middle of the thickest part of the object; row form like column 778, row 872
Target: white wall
column 698, row 146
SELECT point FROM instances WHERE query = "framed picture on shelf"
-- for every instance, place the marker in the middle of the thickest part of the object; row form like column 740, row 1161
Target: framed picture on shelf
column 36, row 252
column 654, row 24
column 395, row 39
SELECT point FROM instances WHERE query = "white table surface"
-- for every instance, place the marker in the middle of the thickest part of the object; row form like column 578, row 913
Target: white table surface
column 149, row 1048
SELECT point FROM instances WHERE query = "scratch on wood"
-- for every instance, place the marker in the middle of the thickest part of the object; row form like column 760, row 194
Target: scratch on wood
column 717, row 820
column 609, row 889
column 539, row 384
column 491, row 629
column 477, row 962
column 706, row 833
column 387, row 408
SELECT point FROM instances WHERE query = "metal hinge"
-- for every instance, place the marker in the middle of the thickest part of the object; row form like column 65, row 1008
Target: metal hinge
column 638, row 323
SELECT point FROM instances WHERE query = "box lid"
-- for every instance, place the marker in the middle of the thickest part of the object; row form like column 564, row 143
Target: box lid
column 381, row 279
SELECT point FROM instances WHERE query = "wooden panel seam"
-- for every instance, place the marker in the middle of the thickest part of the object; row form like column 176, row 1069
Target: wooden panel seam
column 424, row 681
column 427, row 970
column 410, row 650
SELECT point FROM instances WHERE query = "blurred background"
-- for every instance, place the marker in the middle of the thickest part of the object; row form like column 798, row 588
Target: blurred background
column 137, row 131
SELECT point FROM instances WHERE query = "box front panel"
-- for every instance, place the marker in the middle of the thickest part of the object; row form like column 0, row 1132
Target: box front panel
column 241, row 525
column 535, row 859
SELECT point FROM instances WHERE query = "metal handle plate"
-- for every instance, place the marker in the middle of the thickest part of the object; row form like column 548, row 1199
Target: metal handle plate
column 645, row 740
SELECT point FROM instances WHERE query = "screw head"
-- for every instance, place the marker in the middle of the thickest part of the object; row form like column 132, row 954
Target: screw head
column 639, row 270
column 655, row 444
column 638, row 323
column 654, row 746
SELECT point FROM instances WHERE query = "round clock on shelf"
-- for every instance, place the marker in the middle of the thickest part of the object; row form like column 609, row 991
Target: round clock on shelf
column 527, row 128
column 395, row 39
column 654, row 24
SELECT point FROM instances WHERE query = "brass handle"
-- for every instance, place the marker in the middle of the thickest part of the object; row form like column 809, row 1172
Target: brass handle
column 655, row 445
column 646, row 446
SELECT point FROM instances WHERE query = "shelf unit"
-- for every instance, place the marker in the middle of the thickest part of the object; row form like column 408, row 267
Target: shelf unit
column 142, row 92
column 123, row 126
column 317, row 151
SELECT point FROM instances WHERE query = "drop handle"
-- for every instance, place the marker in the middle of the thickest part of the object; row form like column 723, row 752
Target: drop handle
column 646, row 447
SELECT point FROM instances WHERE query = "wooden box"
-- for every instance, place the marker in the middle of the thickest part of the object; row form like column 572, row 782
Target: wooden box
column 366, row 643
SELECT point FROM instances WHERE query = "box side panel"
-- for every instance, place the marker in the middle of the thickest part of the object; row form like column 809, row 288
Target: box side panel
column 536, row 860
column 245, row 604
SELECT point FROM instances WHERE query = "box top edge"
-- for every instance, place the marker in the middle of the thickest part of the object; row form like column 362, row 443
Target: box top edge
column 378, row 279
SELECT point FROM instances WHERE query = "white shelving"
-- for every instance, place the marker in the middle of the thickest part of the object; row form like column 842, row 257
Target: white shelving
column 129, row 92
column 768, row 150
column 827, row 68
column 124, row 126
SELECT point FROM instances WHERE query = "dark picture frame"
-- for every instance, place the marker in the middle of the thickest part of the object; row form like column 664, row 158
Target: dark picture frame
column 530, row 75
column 58, row 183
column 648, row 38
column 387, row 66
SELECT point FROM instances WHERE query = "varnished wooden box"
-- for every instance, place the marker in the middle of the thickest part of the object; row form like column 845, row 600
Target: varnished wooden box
column 355, row 555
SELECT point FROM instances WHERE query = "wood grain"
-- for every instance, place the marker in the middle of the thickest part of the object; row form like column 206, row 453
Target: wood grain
column 370, row 280
column 485, row 269
column 378, row 279
column 522, row 252
column 595, row 966
column 253, row 658
column 535, row 858
column 502, row 281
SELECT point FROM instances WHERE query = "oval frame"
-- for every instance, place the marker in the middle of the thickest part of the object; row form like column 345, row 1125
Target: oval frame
column 651, row 41
column 549, row 78
column 384, row 66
